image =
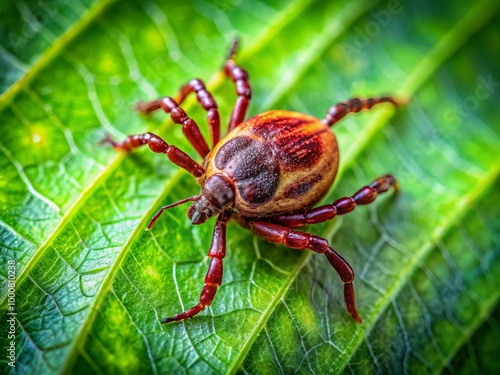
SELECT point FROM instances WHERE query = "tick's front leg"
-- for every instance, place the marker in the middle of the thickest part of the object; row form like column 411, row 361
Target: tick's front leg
column 158, row 145
column 213, row 278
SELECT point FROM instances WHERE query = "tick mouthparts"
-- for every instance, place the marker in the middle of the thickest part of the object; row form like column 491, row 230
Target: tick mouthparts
column 196, row 216
column 160, row 211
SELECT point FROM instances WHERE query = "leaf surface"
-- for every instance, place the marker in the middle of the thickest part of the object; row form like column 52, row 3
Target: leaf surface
column 93, row 286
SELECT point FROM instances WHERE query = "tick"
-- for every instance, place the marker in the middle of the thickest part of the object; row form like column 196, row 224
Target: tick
column 267, row 173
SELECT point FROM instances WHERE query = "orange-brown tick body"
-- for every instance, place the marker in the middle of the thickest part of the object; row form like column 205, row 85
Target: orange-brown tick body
column 278, row 161
column 267, row 173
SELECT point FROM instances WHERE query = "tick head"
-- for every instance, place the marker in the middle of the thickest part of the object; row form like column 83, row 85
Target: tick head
column 217, row 195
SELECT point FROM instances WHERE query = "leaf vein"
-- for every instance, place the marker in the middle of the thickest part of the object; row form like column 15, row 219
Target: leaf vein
column 53, row 51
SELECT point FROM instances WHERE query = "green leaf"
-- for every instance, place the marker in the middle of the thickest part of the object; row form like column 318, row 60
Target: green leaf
column 33, row 34
column 92, row 286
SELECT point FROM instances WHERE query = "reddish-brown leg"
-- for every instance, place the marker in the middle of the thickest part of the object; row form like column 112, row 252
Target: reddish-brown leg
column 214, row 275
column 208, row 103
column 365, row 195
column 240, row 78
column 340, row 110
column 298, row 240
column 189, row 126
column 158, row 145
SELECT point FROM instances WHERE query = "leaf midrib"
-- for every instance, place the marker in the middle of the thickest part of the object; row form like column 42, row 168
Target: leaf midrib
column 332, row 31
column 6, row 98
column 106, row 284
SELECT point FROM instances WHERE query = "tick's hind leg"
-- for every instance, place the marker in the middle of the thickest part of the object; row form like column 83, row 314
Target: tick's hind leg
column 340, row 110
column 342, row 206
column 214, row 275
column 298, row 240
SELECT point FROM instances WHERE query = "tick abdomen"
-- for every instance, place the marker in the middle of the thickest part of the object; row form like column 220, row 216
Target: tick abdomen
column 279, row 161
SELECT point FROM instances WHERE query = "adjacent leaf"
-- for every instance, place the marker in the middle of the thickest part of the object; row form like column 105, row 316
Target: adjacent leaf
column 32, row 34
column 93, row 287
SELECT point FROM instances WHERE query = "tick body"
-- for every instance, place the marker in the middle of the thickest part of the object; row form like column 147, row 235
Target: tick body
column 278, row 162
column 268, row 172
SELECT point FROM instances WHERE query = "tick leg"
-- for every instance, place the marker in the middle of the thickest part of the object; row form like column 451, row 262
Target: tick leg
column 189, row 126
column 298, row 240
column 214, row 275
column 240, row 78
column 340, row 110
column 158, row 145
column 208, row 103
column 365, row 195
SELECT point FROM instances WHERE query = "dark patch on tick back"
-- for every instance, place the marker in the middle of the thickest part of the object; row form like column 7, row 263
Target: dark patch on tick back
column 252, row 166
column 230, row 150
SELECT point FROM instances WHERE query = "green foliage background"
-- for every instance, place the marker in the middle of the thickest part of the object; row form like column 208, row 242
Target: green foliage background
column 92, row 285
